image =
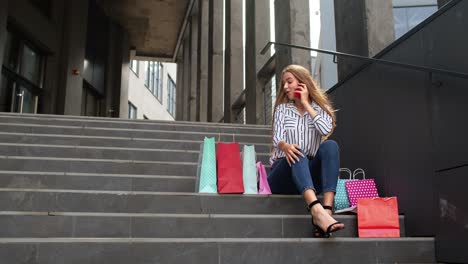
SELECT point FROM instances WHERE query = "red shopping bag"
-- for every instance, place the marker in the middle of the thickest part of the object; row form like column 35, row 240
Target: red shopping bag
column 378, row 217
column 229, row 168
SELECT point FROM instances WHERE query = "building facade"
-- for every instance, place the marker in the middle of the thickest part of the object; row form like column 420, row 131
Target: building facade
column 152, row 90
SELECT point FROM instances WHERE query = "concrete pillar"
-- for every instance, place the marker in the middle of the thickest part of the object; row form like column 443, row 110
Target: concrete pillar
column 194, row 68
column 203, row 42
column 292, row 25
column 125, row 74
column 179, row 85
column 112, row 72
column 216, row 60
column 3, row 28
column 234, row 61
column 76, row 22
column 262, row 36
column 186, row 81
column 363, row 27
column 250, row 64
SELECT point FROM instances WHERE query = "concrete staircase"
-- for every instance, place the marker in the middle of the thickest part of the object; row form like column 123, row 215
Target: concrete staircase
column 98, row 190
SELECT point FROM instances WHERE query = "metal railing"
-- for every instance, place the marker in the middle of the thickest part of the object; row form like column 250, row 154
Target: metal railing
column 368, row 59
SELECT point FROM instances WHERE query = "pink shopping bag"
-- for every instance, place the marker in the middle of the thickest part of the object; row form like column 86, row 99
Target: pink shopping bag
column 264, row 187
column 359, row 189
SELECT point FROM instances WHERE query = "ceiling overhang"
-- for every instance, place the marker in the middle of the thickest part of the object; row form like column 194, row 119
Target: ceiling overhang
column 155, row 27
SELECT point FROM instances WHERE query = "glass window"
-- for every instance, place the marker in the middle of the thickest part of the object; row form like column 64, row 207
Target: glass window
column 22, row 73
column 151, row 83
column 11, row 52
column 171, row 95
column 30, row 65
column 407, row 18
column 146, row 67
column 134, row 66
column 132, row 111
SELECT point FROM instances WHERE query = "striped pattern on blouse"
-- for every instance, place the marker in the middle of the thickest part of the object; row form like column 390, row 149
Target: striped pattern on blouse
column 304, row 131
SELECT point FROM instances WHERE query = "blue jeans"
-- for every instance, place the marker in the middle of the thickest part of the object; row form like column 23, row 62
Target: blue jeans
column 319, row 174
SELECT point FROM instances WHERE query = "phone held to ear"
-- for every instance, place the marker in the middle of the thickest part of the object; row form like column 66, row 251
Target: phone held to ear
column 297, row 95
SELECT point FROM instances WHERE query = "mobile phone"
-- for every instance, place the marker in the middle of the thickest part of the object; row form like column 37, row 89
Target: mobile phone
column 297, row 95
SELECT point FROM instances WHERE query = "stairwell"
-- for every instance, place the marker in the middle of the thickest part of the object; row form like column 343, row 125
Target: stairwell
column 100, row 190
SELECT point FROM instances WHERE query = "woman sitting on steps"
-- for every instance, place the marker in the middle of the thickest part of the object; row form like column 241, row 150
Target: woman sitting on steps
column 301, row 162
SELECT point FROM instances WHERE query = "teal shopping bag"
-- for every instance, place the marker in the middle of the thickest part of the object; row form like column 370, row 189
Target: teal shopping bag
column 341, row 196
column 249, row 170
column 207, row 171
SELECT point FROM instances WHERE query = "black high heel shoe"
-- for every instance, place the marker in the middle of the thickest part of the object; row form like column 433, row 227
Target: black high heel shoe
column 319, row 232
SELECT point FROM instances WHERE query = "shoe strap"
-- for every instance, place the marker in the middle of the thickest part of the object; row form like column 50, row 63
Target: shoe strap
column 312, row 204
column 328, row 207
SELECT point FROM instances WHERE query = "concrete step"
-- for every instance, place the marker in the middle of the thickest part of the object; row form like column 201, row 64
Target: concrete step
column 119, row 142
column 216, row 250
column 89, row 181
column 132, row 133
column 98, row 201
column 119, row 225
column 98, row 166
column 124, row 120
column 108, row 166
column 137, row 124
column 94, row 152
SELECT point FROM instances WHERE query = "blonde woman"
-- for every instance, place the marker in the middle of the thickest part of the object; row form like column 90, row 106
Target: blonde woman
column 302, row 162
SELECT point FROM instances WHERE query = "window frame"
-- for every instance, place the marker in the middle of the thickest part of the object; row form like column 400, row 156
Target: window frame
column 136, row 70
column 171, row 95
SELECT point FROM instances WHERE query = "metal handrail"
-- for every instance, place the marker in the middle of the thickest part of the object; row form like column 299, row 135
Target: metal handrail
column 368, row 59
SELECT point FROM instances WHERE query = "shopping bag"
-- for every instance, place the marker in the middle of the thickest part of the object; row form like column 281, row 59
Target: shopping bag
column 263, row 186
column 378, row 217
column 249, row 170
column 206, row 174
column 229, row 168
column 358, row 189
column 341, row 196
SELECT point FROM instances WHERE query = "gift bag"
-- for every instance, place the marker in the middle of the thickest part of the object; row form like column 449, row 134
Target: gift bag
column 358, row 189
column 206, row 174
column 263, row 186
column 378, row 217
column 249, row 170
column 229, row 168
column 341, row 196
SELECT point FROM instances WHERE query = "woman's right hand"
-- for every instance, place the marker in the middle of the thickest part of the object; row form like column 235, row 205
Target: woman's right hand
column 292, row 151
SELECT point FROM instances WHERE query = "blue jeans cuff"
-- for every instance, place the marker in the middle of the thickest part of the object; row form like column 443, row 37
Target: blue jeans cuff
column 308, row 188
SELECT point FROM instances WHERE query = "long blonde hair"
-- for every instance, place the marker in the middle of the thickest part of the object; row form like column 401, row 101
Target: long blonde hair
column 315, row 93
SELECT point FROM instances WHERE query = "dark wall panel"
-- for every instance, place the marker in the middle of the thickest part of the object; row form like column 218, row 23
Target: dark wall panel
column 403, row 125
column 452, row 236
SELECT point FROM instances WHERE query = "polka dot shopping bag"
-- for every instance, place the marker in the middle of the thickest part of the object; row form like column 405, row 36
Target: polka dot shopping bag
column 341, row 196
column 359, row 189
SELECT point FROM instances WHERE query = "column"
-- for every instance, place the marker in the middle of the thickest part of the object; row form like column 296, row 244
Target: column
column 3, row 28
column 234, row 66
column 186, row 80
column 203, row 42
column 125, row 76
column 180, row 84
column 216, row 84
column 193, row 68
column 262, row 27
column 363, row 27
column 250, row 64
column 292, row 26
column 76, row 23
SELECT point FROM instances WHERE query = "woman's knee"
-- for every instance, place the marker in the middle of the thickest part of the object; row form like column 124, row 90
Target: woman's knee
column 329, row 147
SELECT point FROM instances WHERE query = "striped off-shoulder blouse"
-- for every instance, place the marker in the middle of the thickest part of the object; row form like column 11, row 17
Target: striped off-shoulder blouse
column 304, row 131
